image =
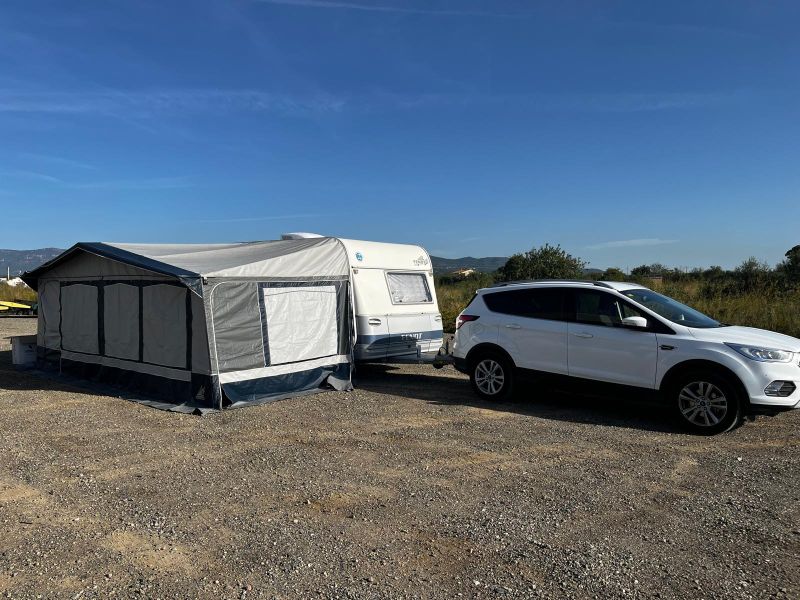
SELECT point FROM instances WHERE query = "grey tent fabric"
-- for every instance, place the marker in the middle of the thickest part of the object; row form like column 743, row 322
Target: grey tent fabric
column 79, row 321
column 49, row 315
column 201, row 361
column 164, row 338
column 238, row 338
column 120, row 318
column 205, row 325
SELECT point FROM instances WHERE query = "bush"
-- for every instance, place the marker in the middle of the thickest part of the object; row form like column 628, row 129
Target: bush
column 19, row 292
column 613, row 274
column 546, row 262
column 454, row 293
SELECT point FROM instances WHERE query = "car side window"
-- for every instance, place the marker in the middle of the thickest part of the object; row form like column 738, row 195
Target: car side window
column 544, row 303
column 594, row 307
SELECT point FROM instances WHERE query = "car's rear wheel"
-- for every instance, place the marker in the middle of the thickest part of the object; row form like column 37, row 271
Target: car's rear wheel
column 491, row 376
column 706, row 403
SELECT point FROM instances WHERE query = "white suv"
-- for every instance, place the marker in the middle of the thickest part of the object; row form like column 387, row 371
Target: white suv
column 623, row 333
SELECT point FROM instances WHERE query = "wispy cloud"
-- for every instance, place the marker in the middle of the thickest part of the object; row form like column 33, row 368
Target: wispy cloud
column 145, row 183
column 261, row 218
column 636, row 243
column 622, row 102
column 699, row 29
column 56, row 160
column 23, row 174
column 389, row 8
column 151, row 104
column 152, row 183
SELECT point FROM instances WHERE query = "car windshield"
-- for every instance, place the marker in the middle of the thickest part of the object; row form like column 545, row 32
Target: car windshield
column 672, row 309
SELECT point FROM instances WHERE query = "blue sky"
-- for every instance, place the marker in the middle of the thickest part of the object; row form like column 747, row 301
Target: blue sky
column 627, row 132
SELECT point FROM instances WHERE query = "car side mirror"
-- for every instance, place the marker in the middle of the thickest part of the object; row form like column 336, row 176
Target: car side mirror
column 635, row 322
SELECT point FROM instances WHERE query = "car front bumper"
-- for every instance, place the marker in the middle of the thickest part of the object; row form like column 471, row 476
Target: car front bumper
column 760, row 375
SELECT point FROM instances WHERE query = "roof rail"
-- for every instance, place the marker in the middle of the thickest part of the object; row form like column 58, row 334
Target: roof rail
column 524, row 281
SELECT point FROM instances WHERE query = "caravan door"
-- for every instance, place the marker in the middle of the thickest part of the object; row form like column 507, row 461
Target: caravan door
column 373, row 337
column 415, row 325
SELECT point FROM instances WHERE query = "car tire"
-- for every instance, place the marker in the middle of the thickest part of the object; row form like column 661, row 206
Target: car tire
column 492, row 376
column 706, row 403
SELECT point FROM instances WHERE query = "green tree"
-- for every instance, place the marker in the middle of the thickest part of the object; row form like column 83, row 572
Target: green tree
column 714, row 272
column 791, row 266
column 752, row 273
column 654, row 270
column 641, row 271
column 752, row 267
column 545, row 262
column 613, row 274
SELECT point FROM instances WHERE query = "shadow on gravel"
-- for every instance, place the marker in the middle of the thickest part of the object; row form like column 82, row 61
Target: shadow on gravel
column 31, row 379
column 576, row 405
column 534, row 399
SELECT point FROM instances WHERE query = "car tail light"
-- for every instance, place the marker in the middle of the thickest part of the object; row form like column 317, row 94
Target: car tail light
column 464, row 319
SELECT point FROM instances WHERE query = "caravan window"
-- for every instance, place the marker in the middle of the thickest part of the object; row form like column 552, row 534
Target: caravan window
column 408, row 288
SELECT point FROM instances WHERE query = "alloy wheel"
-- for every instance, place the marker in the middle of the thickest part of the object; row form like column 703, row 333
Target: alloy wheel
column 489, row 376
column 702, row 403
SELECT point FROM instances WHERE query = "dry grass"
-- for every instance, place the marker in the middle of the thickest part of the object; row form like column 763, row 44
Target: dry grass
column 10, row 292
column 764, row 307
column 453, row 296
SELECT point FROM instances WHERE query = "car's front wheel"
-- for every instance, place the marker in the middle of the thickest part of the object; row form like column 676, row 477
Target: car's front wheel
column 706, row 403
column 491, row 376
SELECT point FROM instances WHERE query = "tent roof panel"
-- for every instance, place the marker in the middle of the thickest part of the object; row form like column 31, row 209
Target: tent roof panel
column 214, row 260
column 191, row 262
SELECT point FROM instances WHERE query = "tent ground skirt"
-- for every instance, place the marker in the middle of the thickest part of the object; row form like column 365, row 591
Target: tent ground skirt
column 195, row 389
column 276, row 387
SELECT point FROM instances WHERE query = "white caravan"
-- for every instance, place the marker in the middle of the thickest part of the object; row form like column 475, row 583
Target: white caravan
column 397, row 315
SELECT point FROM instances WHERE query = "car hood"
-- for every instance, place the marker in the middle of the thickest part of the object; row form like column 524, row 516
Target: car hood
column 747, row 335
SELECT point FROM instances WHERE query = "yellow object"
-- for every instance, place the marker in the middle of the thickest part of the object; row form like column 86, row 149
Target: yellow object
column 8, row 304
column 3, row 308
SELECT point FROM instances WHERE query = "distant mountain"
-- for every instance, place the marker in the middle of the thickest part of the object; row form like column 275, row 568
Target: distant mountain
column 486, row 265
column 19, row 261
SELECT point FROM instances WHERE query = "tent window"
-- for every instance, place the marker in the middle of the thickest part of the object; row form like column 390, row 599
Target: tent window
column 121, row 321
column 409, row 288
column 301, row 323
column 164, row 325
column 79, row 322
column 49, row 314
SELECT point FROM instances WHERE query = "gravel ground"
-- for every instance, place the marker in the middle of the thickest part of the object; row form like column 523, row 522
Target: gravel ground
column 407, row 487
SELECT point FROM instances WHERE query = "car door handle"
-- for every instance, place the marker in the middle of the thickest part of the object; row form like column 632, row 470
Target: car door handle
column 374, row 321
column 583, row 335
column 513, row 326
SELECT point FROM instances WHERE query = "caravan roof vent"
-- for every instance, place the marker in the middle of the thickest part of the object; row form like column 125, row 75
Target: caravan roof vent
column 300, row 235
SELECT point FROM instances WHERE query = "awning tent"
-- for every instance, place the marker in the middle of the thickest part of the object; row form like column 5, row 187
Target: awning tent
column 201, row 326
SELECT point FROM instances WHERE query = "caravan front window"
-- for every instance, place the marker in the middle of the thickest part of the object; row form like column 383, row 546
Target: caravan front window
column 408, row 288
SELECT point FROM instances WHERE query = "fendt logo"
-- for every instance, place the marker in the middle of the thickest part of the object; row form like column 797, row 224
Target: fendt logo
column 410, row 336
column 422, row 261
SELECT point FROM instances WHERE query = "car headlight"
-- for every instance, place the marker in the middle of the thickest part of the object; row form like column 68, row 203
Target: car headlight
column 762, row 354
